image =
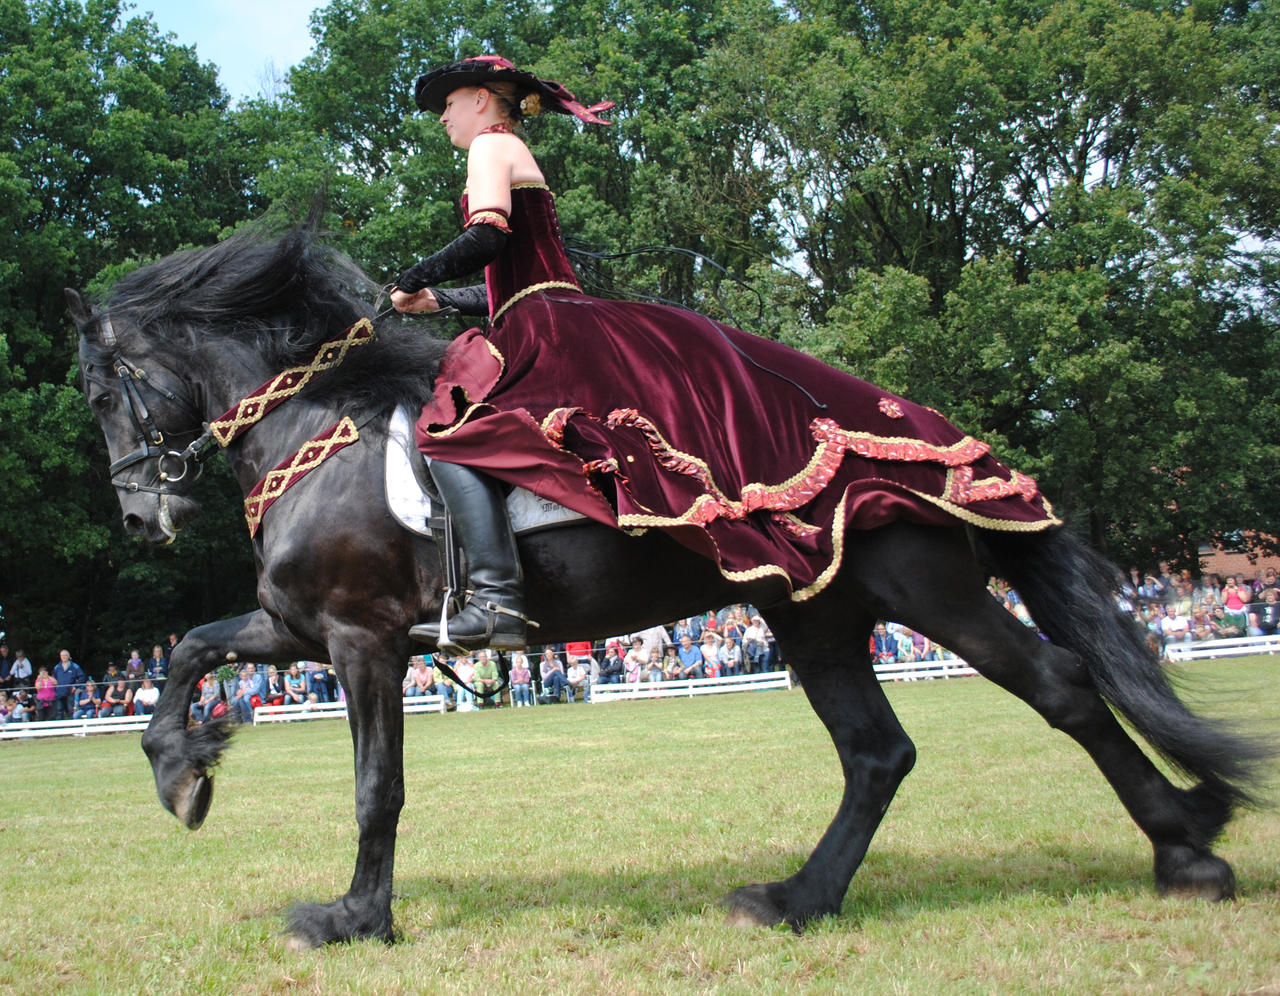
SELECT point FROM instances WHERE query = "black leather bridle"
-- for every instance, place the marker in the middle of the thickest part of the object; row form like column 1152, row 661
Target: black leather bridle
column 172, row 466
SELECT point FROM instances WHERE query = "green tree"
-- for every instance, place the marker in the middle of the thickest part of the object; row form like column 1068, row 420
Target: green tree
column 115, row 150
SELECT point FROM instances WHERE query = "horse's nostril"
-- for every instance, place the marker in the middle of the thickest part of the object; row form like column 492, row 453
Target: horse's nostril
column 133, row 524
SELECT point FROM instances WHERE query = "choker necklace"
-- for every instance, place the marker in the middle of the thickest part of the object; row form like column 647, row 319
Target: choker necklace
column 496, row 129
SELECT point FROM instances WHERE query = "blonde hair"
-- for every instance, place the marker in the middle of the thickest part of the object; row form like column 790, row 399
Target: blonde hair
column 515, row 104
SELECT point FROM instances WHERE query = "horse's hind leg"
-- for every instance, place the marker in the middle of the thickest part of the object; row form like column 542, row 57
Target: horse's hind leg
column 874, row 752
column 961, row 615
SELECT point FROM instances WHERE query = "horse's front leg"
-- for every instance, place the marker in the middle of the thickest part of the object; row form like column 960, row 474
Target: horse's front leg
column 181, row 759
column 375, row 710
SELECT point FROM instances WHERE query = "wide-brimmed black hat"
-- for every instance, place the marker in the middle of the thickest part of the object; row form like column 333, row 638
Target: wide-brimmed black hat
column 434, row 87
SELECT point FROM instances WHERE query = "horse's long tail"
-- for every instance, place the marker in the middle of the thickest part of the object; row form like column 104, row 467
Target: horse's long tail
column 1070, row 592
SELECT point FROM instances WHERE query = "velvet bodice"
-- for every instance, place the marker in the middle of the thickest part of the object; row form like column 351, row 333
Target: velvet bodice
column 534, row 257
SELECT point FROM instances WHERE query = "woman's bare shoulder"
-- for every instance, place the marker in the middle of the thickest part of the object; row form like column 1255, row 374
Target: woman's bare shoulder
column 506, row 153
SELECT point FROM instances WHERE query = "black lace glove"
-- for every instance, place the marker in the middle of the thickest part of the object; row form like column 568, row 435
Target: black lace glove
column 474, row 249
column 463, row 300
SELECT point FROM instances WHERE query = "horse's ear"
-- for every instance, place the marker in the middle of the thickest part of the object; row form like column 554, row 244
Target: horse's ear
column 81, row 314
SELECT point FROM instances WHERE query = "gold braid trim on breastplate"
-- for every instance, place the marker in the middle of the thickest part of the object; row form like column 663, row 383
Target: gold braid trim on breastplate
column 533, row 288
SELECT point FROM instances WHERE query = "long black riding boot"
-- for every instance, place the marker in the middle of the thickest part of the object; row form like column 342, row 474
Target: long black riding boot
column 494, row 612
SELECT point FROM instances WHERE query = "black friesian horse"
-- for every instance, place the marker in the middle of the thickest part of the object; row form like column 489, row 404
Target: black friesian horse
column 184, row 340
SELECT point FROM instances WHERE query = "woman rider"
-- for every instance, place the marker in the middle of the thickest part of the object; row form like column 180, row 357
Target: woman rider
column 642, row 415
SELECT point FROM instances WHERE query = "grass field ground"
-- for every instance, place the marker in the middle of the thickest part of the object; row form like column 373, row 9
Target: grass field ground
column 584, row 850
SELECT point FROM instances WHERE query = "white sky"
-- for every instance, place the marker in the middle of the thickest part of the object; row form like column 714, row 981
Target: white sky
column 243, row 38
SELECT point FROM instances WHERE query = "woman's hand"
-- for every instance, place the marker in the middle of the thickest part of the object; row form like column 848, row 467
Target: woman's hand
column 424, row 300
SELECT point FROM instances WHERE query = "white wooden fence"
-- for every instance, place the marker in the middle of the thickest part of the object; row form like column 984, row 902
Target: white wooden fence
column 72, row 727
column 335, row 710
column 1242, row 646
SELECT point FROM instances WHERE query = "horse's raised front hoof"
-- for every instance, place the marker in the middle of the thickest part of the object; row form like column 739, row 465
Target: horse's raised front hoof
column 757, row 906
column 314, row 924
column 1187, row 873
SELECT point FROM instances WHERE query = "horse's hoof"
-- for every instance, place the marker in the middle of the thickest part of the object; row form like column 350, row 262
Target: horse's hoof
column 1184, row 873
column 297, row 944
column 753, row 906
column 192, row 806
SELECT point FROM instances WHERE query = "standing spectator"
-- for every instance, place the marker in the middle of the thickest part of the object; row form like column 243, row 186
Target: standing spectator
column 134, row 669
column 20, row 673
column 690, row 658
column 116, row 699
column 46, row 692
column 1235, row 602
column 87, row 701
column 552, row 674
column 69, row 676
column 146, row 697
column 690, row 627
column 521, row 681
column 487, row 680
column 653, row 638
column 6, row 668
column 250, row 686
column 210, row 696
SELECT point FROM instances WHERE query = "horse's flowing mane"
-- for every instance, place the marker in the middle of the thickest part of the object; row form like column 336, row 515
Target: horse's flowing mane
column 281, row 294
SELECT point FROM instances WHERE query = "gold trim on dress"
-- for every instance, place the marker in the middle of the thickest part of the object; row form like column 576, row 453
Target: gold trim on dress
column 520, row 295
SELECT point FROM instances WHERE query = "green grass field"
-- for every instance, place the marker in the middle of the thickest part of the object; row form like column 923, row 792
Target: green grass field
column 584, row 849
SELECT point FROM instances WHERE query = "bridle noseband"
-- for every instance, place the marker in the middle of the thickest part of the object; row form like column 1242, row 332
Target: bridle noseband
column 172, row 465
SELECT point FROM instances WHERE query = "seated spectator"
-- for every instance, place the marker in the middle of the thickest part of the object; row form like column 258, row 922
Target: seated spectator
column 134, row 669
column 1175, row 627
column 884, row 647
column 444, row 686
column 690, row 627
column 487, row 681
column 1200, row 625
column 46, row 693
column 552, row 674
column 690, row 658
column 146, row 697
column 210, row 696
column 274, row 694
column 466, row 672
column 521, row 681
column 295, row 686
column 158, row 666
column 671, row 666
column 251, row 686
column 420, row 680
column 87, row 701
column 612, row 667
column 906, row 653
column 636, row 659
column 730, row 657
column 653, row 638
column 710, row 650
column 117, row 699
column 1225, row 627
column 577, row 679
column 1266, row 614
column 18, row 711
column 318, row 683
column 652, row 671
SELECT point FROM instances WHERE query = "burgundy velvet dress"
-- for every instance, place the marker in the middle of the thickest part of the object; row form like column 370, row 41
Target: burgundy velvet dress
column 645, row 416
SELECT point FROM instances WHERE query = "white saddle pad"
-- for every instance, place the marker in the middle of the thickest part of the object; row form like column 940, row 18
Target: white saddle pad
column 412, row 506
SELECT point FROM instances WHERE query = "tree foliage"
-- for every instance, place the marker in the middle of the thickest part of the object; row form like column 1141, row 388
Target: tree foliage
column 1055, row 222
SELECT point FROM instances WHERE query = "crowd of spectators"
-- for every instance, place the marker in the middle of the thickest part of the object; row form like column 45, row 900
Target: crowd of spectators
column 1173, row 607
